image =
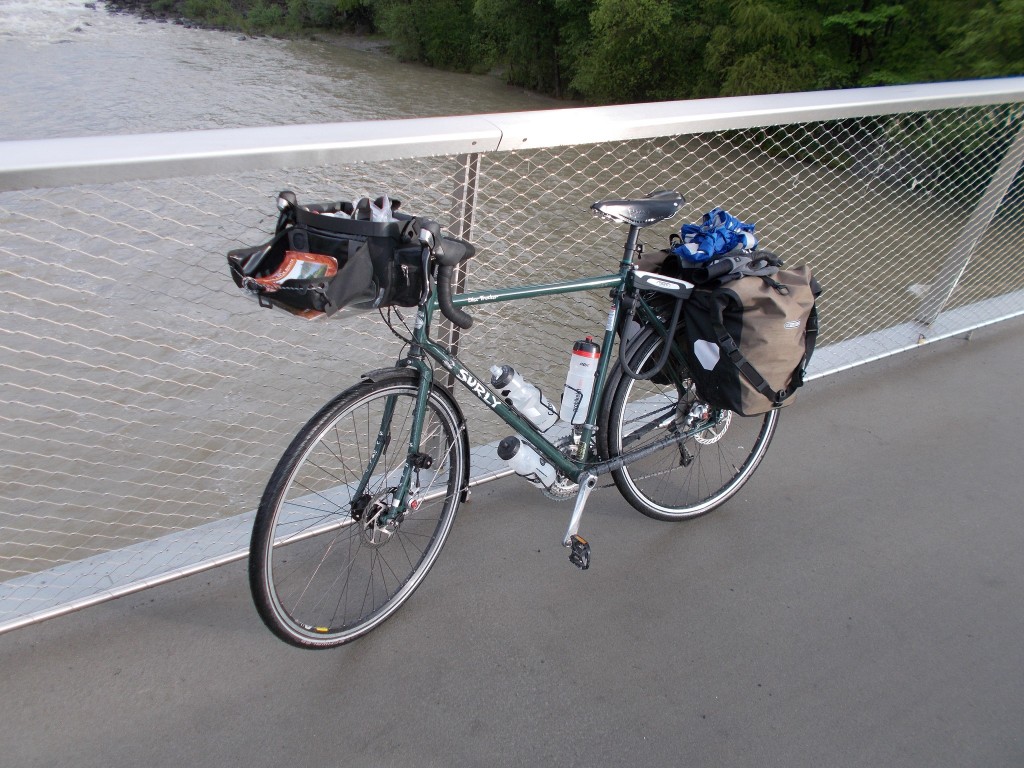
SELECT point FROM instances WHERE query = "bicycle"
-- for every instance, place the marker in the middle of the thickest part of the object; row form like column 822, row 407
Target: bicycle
column 362, row 501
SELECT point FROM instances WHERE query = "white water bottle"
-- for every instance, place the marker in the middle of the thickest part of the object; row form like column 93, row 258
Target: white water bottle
column 524, row 397
column 525, row 461
column 579, row 381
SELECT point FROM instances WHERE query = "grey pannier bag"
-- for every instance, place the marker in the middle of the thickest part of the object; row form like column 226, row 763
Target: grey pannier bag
column 748, row 341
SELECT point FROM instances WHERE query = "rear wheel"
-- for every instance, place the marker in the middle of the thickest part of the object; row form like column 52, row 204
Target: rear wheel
column 688, row 478
column 327, row 563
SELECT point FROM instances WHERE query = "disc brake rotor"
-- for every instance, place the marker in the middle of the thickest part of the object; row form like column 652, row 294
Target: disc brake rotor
column 716, row 431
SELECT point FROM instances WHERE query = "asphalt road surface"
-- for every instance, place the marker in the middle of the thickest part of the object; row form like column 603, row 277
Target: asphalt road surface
column 860, row 603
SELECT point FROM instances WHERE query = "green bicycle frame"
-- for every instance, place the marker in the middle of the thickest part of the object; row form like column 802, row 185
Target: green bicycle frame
column 479, row 388
column 572, row 467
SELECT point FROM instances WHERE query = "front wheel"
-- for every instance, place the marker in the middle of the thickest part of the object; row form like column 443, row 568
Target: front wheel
column 328, row 560
column 686, row 478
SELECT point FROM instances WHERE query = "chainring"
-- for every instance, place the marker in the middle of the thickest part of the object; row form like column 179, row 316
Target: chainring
column 563, row 488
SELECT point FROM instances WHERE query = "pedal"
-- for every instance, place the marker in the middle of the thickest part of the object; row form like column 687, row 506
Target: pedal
column 579, row 552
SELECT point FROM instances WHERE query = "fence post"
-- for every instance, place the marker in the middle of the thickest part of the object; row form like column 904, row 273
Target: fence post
column 464, row 199
column 963, row 249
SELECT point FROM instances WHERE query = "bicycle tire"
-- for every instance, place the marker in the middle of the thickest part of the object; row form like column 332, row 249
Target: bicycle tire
column 321, row 570
column 687, row 479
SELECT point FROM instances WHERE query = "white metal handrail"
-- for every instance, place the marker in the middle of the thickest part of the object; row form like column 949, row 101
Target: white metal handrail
column 102, row 159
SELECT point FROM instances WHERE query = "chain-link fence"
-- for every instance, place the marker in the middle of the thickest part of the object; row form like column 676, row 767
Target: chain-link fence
column 144, row 400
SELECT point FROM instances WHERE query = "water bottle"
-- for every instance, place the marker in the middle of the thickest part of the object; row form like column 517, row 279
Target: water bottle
column 524, row 397
column 579, row 381
column 525, row 461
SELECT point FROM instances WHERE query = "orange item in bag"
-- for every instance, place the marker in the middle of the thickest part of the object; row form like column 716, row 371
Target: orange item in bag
column 297, row 265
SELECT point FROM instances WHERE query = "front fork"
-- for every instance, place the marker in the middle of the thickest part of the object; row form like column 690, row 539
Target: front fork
column 400, row 501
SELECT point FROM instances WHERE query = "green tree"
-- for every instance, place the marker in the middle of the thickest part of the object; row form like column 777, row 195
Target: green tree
column 263, row 17
column 880, row 43
column 331, row 14
column 990, row 42
column 764, row 46
column 435, row 32
column 522, row 36
column 218, row 13
column 866, row 30
column 573, row 37
column 635, row 52
column 609, row 51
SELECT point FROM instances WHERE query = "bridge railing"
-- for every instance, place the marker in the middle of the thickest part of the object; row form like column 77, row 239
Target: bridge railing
column 144, row 401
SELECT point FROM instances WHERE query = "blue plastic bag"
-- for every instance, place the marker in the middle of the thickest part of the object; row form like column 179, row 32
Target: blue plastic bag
column 719, row 233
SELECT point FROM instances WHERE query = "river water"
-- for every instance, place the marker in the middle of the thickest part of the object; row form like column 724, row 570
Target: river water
column 74, row 70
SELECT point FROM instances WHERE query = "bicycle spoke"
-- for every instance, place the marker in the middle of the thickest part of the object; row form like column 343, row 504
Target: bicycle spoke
column 684, row 479
column 325, row 569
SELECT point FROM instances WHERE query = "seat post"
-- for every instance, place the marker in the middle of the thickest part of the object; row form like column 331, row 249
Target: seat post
column 631, row 240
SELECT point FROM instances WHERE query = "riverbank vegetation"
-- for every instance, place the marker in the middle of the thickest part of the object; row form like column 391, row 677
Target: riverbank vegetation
column 619, row 51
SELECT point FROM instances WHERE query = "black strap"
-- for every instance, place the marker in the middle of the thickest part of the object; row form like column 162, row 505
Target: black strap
column 728, row 345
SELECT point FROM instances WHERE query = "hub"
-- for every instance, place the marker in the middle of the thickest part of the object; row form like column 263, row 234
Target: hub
column 377, row 528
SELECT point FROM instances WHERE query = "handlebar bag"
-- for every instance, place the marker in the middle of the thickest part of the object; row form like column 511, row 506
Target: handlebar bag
column 748, row 342
column 318, row 263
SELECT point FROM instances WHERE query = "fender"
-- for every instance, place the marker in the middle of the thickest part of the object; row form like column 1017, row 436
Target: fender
column 410, row 374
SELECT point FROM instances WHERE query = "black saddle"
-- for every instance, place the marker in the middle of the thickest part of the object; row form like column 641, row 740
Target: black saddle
column 656, row 207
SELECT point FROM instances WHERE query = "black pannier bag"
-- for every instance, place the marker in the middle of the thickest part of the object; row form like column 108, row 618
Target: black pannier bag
column 747, row 341
column 322, row 260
